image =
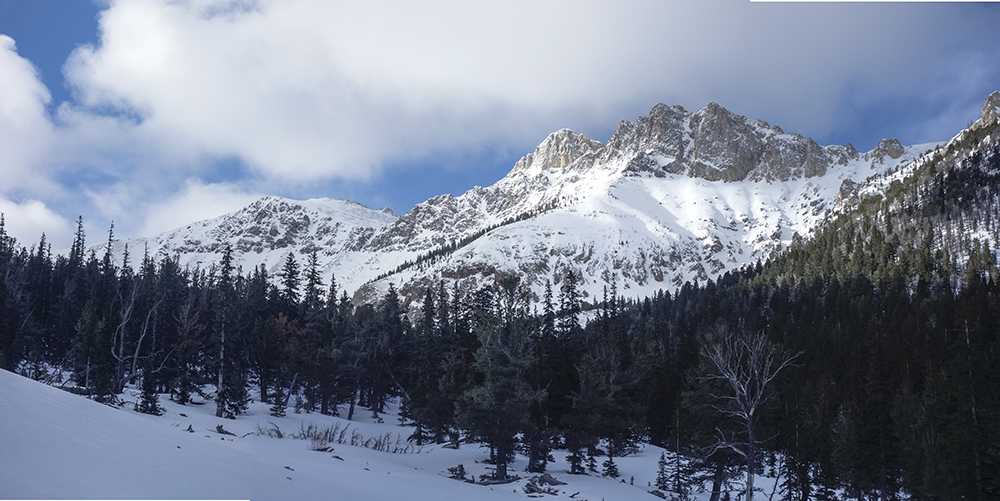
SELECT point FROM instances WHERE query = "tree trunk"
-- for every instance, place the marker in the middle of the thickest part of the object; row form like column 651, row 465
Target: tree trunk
column 717, row 482
column 291, row 387
column 750, row 456
column 677, row 449
column 138, row 345
column 975, row 417
column 350, row 410
column 263, row 387
column 501, row 472
column 219, row 400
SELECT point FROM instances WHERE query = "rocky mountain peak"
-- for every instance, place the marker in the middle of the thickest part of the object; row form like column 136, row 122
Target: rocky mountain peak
column 726, row 146
column 891, row 148
column 991, row 110
column 673, row 196
column 663, row 131
column 557, row 151
column 717, row 144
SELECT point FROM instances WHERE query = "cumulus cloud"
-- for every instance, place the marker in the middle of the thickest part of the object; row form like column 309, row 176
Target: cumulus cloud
column 27, row 221
column 26, row 135
column 184, row 108
column 195, row 202
column 25, row 131
column 305, row 89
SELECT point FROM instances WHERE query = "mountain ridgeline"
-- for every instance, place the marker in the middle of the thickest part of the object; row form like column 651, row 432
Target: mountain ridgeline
column 598, row 297
column 933, row 220
column 675, row 196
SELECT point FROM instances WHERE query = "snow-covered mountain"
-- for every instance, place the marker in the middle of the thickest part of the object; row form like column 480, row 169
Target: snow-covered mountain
column 265, row 231
column 674, row 196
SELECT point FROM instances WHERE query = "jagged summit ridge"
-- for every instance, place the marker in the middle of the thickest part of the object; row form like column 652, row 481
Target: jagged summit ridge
column 674, row 196
column 875, row 185
column 557, row 151
column 716, row 144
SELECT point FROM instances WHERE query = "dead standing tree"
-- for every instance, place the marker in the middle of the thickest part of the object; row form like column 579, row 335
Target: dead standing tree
column 746, row 365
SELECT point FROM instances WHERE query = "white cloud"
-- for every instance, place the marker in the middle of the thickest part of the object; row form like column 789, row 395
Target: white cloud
column 304, row 89
column 25, row 131
column 27, row 221
column 300, row 91
column 195, row 202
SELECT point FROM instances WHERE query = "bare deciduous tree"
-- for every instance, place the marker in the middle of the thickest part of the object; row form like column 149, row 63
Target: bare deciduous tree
column 746, row 364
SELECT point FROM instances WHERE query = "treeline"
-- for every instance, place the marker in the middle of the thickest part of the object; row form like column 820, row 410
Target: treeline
column 884, row 326
column 434, row 255
column 480, row 366
column 894, row 389
column 894, row 307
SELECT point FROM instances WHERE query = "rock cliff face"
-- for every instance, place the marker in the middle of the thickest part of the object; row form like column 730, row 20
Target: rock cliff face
column 718, row 145
column 674, row 196
column 991, row 110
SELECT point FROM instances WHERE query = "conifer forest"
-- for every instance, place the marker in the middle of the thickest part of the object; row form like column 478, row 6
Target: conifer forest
column 860, row 363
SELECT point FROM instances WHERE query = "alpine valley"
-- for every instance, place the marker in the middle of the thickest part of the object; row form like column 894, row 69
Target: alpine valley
column 674, row 197
column 859, row 360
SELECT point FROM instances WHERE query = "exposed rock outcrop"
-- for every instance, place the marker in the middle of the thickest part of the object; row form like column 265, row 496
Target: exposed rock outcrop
column 991, row 110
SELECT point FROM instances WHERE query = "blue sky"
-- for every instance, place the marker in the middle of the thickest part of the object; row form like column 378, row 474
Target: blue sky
column 156, row 113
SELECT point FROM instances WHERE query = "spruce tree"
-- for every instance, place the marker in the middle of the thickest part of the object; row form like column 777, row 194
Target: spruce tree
column 232, row 396
column 8, row 328
column 312, row 298
column 424, row 404
column 497, row 409
column 290, row 283
column 569, row 304
column 610, row 469
column 149, row 401
column 662, row 476
column 279, row 405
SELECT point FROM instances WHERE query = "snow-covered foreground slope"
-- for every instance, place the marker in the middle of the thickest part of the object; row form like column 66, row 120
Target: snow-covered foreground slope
column 57, row 445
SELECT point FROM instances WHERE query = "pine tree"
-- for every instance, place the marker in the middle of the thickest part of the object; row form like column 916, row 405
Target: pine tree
column 424, row 403
column 8, row 330
column 279, row 405
column 267, row 349
column 149, row 401
column 497, row 409
column 662, row 476
column 610, row 469
column 569, row 305
column 232, row 395
column 290, row 283
column 76, row 252
column 386, row 348
column 312, row 299
column 575, row 459
column 548, row 313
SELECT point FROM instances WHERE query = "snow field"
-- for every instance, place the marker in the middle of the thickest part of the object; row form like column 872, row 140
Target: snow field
column 58, row 445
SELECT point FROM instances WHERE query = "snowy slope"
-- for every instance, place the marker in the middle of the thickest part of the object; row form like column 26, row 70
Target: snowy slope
column 645, row 232
column 57, row 445
column 264, row 232
column 647, row 211
column 675, row 196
